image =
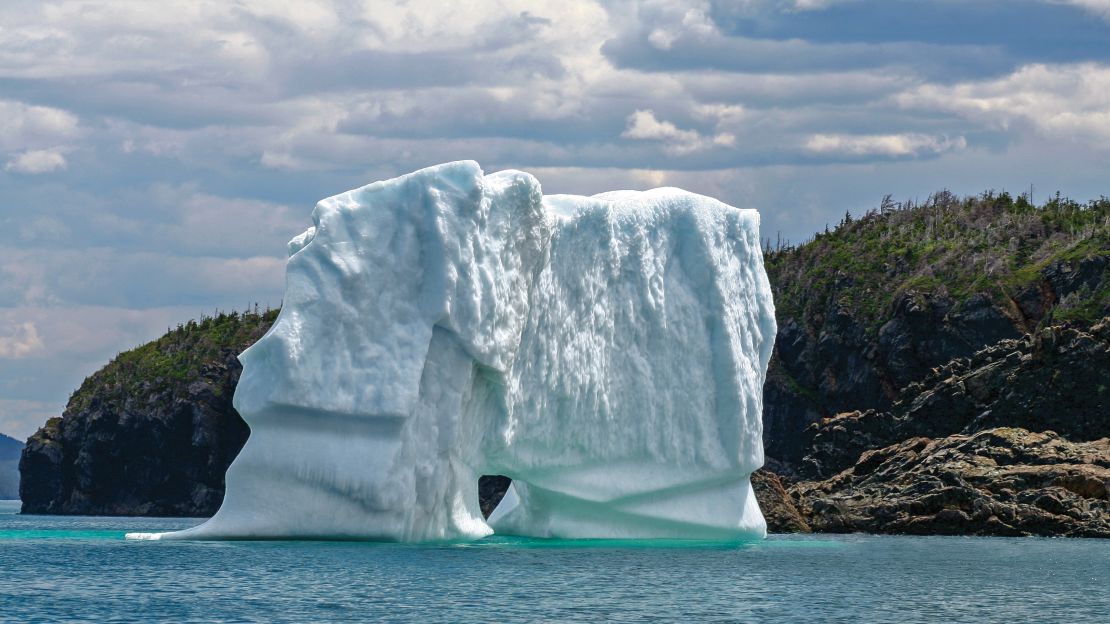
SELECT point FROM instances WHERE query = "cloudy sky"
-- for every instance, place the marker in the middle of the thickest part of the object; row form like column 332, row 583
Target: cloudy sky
column 154, row 159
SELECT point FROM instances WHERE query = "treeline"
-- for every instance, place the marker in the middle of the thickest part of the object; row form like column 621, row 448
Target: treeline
column 989, row 210
column 179, row 357
column 992, row 244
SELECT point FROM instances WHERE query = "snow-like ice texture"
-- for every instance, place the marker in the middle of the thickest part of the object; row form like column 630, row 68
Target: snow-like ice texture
column 607, row 353
column 637, row 390
column 403, row 305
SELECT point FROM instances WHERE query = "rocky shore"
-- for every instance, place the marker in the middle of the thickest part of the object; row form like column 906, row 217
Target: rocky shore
column 1001, row 481
column 1009, row 441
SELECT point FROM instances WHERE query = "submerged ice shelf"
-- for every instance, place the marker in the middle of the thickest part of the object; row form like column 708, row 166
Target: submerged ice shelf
column 607, row 353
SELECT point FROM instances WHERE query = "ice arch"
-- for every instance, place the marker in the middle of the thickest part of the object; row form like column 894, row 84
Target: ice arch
column 607, row 353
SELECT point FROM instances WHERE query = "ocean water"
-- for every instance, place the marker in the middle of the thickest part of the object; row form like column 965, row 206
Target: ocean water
column 81, row 569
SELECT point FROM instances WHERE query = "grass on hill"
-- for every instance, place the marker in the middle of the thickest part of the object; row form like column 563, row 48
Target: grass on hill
column 176, row 359
column 991, row 244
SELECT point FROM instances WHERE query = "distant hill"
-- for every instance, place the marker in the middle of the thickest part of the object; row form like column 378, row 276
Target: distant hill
column 10, row 448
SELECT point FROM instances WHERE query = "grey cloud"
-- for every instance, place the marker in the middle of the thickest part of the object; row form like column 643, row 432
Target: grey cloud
column 20, row 418
column 769, row 90
column 745, row 54
column 159, row 218
column 106, row 277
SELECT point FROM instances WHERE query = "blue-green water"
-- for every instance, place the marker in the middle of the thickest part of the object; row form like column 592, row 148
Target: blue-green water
column 66, row 568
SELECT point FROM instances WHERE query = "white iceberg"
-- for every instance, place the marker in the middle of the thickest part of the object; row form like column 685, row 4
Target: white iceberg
column 607, row 353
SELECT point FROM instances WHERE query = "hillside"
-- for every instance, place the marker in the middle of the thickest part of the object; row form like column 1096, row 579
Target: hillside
column 152, row 432
column 874, row 304
column 10, row 448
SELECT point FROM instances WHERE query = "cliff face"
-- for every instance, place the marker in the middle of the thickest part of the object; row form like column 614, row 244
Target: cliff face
column 9, row 467
column 1057, row 379
column 876, row 304
column 152, row 433
column 942, row 369
column 1011, row 441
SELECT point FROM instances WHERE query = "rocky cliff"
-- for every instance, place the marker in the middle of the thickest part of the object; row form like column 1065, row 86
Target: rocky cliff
column 151, row 433
column 874, row 305
column 9, row 467
column 942, row 368
column 1010, row 441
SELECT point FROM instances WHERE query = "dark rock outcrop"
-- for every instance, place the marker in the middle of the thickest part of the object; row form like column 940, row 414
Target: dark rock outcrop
column 1003, row 481
column 840, row 367
column 775, row 502
column 491, row 489
column 1057, row 379
column 1014, row 440
column 164, row 454
column 151, row 434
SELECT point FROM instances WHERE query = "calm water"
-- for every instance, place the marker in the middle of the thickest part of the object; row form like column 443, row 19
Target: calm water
column 54, row 568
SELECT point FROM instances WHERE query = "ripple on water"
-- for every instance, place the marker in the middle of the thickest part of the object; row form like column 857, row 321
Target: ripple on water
column 69, row 568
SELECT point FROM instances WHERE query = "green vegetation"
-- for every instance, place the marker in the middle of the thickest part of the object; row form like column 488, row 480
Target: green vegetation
column 991, row 244
column 176, row 359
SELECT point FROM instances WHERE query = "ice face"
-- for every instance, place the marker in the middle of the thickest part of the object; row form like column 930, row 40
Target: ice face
column 637, row 390
column 607, row 353
column 402, row 303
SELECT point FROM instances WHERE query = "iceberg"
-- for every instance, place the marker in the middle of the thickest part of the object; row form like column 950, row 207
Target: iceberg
column 607, row 353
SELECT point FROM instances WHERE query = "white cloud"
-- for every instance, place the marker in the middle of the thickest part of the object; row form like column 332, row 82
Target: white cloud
column 690, row 23
column 814, row 5
column 37, row 161
column 1058, row 101
column 643, row 125
column 30, row 137
column 892, row 145
column 20, row 340
column 661, row 38
column 1098, row 7
column 23, row 126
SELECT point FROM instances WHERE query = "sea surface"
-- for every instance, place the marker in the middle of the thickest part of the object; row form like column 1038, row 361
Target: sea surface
column 81, row 569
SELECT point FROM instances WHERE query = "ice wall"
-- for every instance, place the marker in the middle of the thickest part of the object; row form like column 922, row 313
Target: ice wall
column 402, row 302
column 637, row 396
column 607, row 353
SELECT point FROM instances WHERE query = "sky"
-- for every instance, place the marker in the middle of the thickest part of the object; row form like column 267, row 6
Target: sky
column 156, row 157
